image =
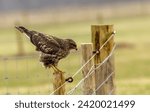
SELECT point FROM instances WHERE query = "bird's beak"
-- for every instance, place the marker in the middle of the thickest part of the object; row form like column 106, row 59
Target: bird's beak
column 19, row 29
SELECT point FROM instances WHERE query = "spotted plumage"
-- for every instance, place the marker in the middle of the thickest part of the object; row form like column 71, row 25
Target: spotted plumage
column 52, row 48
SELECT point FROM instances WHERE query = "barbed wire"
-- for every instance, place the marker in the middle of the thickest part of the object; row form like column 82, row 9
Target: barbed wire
column 113, row 33
column 93, row 69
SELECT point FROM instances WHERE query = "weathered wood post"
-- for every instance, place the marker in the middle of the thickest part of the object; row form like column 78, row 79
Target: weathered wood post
column 87, row 53
column 100, row 34
column 58, row 83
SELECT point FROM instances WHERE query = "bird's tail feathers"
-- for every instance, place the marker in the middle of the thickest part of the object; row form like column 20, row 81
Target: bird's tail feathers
column 23, row 30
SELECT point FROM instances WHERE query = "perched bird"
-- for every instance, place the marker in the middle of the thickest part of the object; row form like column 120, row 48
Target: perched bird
column 52, row 48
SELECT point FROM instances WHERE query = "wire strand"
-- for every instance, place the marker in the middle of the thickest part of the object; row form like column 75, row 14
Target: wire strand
column 90, row 72
column 111, row 36
column 84, row 65
column 103, row 82
column 110, row 93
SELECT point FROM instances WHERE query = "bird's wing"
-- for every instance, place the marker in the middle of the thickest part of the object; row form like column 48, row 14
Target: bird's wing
column 45, row 43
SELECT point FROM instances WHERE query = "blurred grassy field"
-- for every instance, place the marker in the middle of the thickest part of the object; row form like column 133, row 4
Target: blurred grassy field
column 26, row 76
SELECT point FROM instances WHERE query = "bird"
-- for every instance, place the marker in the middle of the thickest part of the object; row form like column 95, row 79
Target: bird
column 52, row 49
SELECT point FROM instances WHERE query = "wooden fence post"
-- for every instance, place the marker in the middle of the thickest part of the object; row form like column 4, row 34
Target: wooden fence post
column 100, row 34
column 59, row 81
column 88, row 84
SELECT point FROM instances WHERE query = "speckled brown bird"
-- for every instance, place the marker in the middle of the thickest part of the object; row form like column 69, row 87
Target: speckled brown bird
column 52, row 48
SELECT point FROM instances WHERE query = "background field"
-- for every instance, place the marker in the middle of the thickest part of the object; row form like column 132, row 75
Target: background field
column 25, row 75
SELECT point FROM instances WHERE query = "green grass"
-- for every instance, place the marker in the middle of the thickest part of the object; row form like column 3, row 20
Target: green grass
column 26, row 76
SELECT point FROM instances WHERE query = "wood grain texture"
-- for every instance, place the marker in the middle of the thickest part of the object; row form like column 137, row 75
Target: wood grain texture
column 58, row 81
column 88, row 84
column 100, row 34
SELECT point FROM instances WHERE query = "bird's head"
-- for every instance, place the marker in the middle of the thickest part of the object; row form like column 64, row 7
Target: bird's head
column 72, row 44
column 21, row 29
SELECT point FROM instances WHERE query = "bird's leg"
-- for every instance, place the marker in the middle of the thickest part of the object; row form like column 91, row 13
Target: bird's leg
column 56, row 69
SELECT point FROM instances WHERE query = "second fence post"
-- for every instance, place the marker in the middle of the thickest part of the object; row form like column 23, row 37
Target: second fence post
column 88, row 84
column 104, row 74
